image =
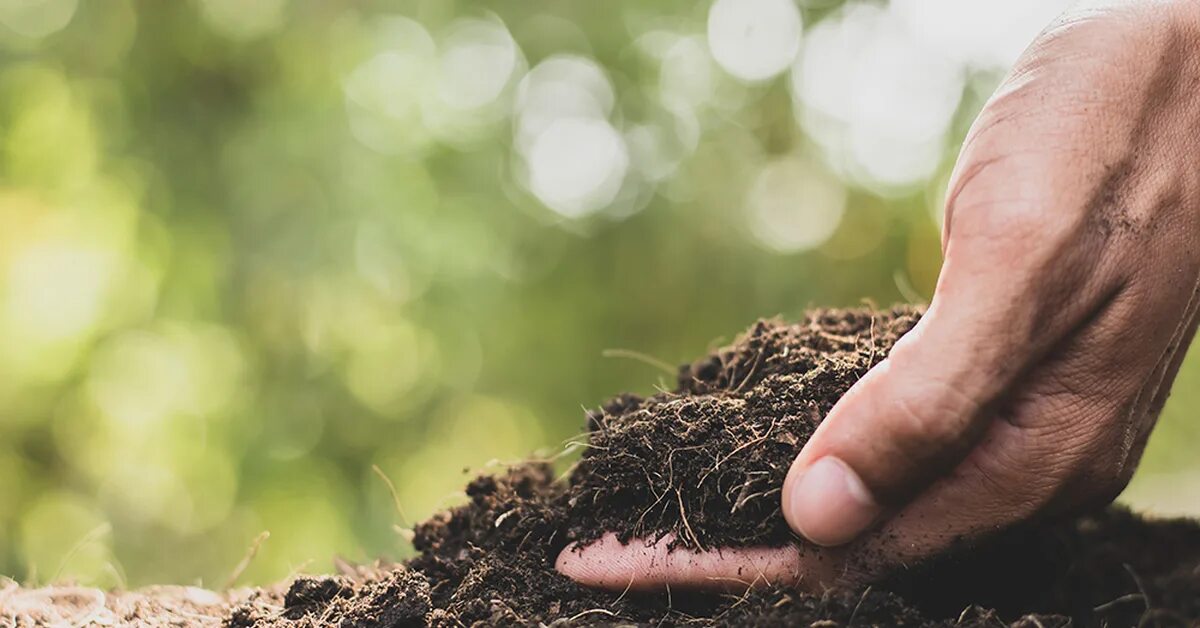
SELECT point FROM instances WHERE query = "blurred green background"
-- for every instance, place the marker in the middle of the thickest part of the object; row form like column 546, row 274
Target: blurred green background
column 250, row 249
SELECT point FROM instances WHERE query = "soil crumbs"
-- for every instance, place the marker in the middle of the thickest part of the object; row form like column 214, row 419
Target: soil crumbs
column 703, row 464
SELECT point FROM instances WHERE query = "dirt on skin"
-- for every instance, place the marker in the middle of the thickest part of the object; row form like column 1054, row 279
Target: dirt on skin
column 704, row 464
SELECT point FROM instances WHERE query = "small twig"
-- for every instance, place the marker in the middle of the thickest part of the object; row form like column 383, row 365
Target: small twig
column 584, row 445
column 753, row 369
column 1128, row 597
column 871, row 358
column 1035, row 620
column 117, row 573
column 240, row 568
column 688, row 526
column 628, row 587
column 395, row 496
column 500, row 520
column 742, row 501
column 651, row 507
column 589, row 612
column 1141, row 589
column 88, row 538
column 639, row 357
column 854, row 613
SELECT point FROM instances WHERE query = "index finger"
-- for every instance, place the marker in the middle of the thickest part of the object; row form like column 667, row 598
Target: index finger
column 639, row 565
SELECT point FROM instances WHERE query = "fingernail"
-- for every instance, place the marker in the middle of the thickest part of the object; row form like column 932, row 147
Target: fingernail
column 830, row 505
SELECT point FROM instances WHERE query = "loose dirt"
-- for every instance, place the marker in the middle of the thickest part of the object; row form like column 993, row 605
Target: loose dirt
column 702, row 463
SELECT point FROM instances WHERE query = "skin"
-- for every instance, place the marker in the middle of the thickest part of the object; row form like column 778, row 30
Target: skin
column 1067, row 299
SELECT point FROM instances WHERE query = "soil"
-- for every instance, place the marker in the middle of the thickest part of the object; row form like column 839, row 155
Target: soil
column 702, row 463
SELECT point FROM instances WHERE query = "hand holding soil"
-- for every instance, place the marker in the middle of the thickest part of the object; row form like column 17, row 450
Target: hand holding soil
column 1030, row 386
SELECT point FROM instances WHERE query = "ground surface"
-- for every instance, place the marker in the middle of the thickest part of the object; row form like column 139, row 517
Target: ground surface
column 702, row 463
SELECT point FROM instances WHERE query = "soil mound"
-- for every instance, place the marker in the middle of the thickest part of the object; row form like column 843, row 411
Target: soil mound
column 707, row 461
column 704, row 463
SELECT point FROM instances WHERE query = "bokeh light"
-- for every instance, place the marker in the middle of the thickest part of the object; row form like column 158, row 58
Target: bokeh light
column 243, row 20
column 575, row 159
column 794, row 205
column 561, row 87
column 754, row 39
column 877, row 99
column 56, row 291
column 686, row 78
column 36, row 18
column 978, row 32
column 384, row 93
column 478, row 61
column 479, row 65
column 576, row 165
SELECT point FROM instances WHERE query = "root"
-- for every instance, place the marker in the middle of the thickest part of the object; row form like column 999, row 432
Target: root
column 572, row 619
column 687, row 526
column 871, row 358
column 854, row 613
column 1128, row 597
column 742, row 501
column 639, row 357
column 251, row 552
column 392, row 491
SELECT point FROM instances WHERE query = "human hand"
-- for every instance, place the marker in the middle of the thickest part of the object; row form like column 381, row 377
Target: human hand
column 1065, row 305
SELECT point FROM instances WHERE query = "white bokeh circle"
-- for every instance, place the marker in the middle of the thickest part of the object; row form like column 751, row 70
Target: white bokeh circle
column 577, row 165
column 876, row 99
column 794, row 205
column 754, row 40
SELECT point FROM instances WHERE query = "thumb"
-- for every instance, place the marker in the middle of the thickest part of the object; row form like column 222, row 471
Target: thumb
column 912, row 418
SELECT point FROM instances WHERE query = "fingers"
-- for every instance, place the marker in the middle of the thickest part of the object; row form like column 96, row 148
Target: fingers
column 1061, row 442
column 1017, row 279
column 639, row 566
column 1001, row 305
column 912, row 418
column 1051, row 446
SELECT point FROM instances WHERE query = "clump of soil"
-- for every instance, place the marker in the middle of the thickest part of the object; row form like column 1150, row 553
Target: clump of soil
column 704, row 463
column 397, row 597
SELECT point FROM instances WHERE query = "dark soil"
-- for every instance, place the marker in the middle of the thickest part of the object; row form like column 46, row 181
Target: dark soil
column 704, row 464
